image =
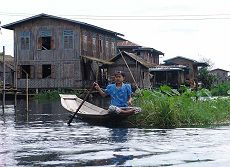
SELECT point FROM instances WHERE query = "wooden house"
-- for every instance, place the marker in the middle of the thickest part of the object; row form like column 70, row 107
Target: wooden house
column 221, row 75
column 192, row 65
column 150, row 55
column 57, row 52
column 172, row 75
column 9, row 70
column 137, row 65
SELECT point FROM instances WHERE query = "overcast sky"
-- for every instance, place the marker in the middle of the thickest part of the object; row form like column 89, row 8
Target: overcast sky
column 195, row 29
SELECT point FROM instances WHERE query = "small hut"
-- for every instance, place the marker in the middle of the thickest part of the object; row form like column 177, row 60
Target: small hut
column 9, row 70
column 127, row 62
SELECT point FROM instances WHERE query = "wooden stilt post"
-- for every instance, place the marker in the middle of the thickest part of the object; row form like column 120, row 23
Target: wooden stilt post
column 4, row 81
column 15, row 76
column 27, row 93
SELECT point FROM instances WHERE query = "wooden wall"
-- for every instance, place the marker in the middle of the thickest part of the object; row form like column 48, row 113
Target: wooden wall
column 66, row 63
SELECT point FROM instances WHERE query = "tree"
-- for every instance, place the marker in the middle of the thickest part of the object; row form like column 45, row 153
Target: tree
column 206, row 78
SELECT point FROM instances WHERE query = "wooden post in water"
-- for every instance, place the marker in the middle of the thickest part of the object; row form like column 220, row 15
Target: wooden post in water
column 15, row 76
column 27, row 93
column 4, row 81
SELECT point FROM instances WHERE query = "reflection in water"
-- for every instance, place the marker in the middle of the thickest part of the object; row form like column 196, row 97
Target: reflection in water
column 119, row 135
column 41, row 137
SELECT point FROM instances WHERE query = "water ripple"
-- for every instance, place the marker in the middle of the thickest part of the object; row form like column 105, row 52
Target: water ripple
column 44, row 139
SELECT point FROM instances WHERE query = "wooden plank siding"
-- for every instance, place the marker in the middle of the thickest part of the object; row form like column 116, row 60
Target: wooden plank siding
column 101, row 51
column 66, row 64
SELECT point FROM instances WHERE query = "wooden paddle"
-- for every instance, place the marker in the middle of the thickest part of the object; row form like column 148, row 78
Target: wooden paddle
column 71, row 119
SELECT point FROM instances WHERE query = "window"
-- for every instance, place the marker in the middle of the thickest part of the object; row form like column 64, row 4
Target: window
column 25, row 70
column 113, row 48
column 68, row 39
column 25, row 40
column 94, row 44
column 107, row 48
column 100, row 45
column 46, row 71
column 45, row 40
column 85, row 42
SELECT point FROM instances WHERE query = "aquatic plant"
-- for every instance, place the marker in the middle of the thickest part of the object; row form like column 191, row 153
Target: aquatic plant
column 167, row 108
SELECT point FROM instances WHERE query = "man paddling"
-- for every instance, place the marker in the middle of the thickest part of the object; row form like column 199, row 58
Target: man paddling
column 120, row 94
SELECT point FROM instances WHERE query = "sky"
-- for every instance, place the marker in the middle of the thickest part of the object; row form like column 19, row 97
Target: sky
column 197, row 29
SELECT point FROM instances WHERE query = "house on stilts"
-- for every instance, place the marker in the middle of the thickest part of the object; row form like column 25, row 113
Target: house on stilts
column 59, row 53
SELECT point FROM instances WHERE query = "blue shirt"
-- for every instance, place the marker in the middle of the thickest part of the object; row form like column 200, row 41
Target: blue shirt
column 119, row 96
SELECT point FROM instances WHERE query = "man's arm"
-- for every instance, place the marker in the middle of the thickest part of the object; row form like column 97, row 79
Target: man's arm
column 102, row 93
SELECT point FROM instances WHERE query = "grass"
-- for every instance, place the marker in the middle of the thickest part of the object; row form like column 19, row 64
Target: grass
column 54, row 94
column 167, row 108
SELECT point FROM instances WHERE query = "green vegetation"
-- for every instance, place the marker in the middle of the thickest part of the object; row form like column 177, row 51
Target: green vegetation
column 206, row 78
column 54, row 94
column 221, row 89
column 167, row 108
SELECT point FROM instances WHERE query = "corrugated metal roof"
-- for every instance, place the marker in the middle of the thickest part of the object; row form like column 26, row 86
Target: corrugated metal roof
column 168, row 68
column 12, row 26
column 126, row 43
column 149, row 49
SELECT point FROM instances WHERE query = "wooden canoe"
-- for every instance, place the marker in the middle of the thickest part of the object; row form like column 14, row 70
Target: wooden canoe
column 88, row 111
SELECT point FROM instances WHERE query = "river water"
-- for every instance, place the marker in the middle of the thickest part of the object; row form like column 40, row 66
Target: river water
column 41, row 137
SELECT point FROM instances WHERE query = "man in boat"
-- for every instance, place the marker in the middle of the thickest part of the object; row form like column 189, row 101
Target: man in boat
column 120, row 94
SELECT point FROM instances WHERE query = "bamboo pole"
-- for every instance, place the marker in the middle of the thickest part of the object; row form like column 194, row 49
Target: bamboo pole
column 129, row 69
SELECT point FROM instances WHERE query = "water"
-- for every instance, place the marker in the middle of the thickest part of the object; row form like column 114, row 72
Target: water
column 42, row 138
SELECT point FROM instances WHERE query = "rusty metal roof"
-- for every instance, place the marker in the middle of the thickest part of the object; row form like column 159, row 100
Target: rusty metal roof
column 168, row 68
column 127, row 43
column 12, row 26
column 149, row 49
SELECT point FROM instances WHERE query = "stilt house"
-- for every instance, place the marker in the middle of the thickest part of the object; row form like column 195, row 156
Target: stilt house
column 57, row 52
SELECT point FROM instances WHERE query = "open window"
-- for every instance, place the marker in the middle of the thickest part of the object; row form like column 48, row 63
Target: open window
column 46, row 71
column 45, row 40
column 46, row 43
column 25, row 70
column 100, row 45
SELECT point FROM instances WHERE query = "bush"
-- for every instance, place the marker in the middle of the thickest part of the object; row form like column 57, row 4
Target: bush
column 221, row 90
